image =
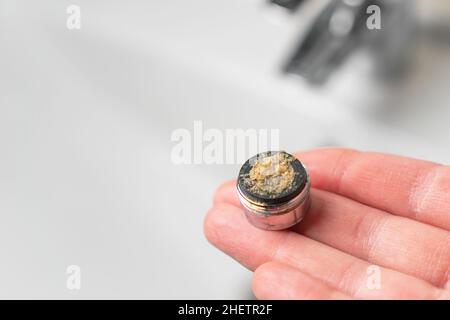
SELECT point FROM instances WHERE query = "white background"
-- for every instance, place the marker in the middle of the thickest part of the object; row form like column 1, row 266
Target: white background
column 85, row 124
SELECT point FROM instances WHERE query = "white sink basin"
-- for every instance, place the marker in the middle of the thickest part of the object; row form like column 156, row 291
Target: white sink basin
column 85, row 124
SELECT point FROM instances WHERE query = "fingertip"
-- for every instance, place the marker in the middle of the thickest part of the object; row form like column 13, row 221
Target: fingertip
column 227, row 228
column 263, row 281
column 215, row 222
column 226, row 193
column 274, row 280
column 222, row 224
column 209, row 226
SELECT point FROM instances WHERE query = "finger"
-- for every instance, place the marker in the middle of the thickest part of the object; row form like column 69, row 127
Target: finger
column 227, row 193
column 227, row 228
column 378, row 237
column 371, row 235
column 274, row 280
column 411, row 188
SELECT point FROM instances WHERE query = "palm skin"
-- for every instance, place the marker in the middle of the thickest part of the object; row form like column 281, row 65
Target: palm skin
column 367, row 209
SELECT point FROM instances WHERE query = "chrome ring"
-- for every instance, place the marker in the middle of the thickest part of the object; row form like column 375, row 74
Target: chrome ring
column 277, row 216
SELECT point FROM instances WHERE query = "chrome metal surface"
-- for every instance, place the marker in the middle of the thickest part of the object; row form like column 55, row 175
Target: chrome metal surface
column 340, row 28
column 277, row 217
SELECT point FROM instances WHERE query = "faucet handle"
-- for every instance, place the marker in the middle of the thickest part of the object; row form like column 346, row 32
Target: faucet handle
column 340, row 28
column 333, row 34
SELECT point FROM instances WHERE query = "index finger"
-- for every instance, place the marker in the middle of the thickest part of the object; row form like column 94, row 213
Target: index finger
column 407, row 187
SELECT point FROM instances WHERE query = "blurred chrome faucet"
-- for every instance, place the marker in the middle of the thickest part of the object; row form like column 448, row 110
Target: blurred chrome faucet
column 341, row 27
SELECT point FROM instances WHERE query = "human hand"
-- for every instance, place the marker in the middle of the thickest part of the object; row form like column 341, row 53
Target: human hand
column 367, row 209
